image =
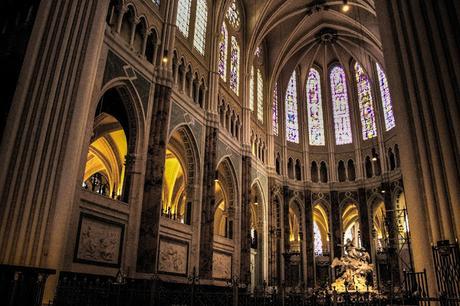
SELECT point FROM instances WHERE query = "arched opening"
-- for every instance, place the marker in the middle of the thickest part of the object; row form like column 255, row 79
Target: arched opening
column 221, row 216
column 350, row 225
column 150, row 52
column 368, row 167
column 178, row 178
column 341, row 171
column 314, row 172
column 290, row 168
column 351, row 170
column 278, row 164
column 294, row 258
column 391, row 158
column 139, row 35
column 379, row 230
column 321, row 243
column 298, row 170
column 398, row 161
column 105, row 171
column 256, row 233
column 127, row 24
column 224, row 185
column 323, row 172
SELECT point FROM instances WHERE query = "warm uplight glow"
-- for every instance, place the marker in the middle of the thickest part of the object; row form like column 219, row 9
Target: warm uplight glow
column 345, row 8
column 374, row 158
column 165, row 59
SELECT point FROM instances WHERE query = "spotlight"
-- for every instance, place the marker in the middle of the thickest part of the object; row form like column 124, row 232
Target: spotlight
column 374, row 158
column 165, row 59
column 383, row 191
column 345, row 6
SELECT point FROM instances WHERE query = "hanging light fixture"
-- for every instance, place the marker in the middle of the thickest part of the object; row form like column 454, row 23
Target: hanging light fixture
column 345, row 6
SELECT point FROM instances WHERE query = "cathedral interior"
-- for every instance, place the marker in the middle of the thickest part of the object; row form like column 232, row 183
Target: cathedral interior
column 230, row 152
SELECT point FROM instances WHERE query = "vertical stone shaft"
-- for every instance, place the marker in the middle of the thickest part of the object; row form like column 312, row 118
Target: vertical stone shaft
column 151, row 204
column 335, row 226
column 245, row 219
column 309, row 240
column 208, row 204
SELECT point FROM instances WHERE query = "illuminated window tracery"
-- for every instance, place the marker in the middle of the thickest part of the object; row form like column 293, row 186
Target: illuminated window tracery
column 233, row 15
column 223, row 45
column 386, row 99
column 315, row 109
column 260, row 96
column 292, row 124
column 235, row 65
column 275, row 110
column 365, row 103
column 251, row 89
column 201, row 20
column 340, row 106
column 183, row 16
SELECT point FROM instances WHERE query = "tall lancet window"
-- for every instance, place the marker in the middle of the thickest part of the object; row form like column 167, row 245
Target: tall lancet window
column 235, row 66
column 251, row 89
column 201, row 20
column 386, row 99
column 340, row 106
column 366, row 107
column 315, row 109
column 275, row 110
column 260, row 96
column 183, row 16
column 292, row 122
column 223, row 46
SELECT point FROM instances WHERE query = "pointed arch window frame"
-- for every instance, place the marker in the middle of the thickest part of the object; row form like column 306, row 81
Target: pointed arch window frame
column 340, row 106
column 291, row 109
column 316, row 130
column 365, row 102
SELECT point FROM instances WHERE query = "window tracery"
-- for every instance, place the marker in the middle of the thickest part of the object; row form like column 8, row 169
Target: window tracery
column 235, row 65
column 183, row 16
column 233, row 15
column 223, row 46
column 260, row 96
column 275, row 110
column 365, row 103
column 386, row 99
column 315, row 109
column 292, row 124
column 201, row 19
column 251, row 89
column 341, row 111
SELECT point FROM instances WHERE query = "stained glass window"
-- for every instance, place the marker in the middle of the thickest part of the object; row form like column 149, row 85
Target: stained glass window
column 315, row 109
column 251, row 89
column 183, row 16
column 340, row 106
column 318, row 241
column 233, row 15
column 292, row 123
column 201, row 20
column 235, row 66
column 365, row 103
column 258, row 52
column 223, row 45
column 260, row 96
column 275, row 110
column 386, row 99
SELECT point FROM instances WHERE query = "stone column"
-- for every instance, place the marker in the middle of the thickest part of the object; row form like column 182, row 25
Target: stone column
column 364, row 220
column 336, row 232
column 50, row 106
column 420, row 44
column 393, row 234
column 153, row 188
column 208, row 203
column 245, row 219
column 309, row 240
